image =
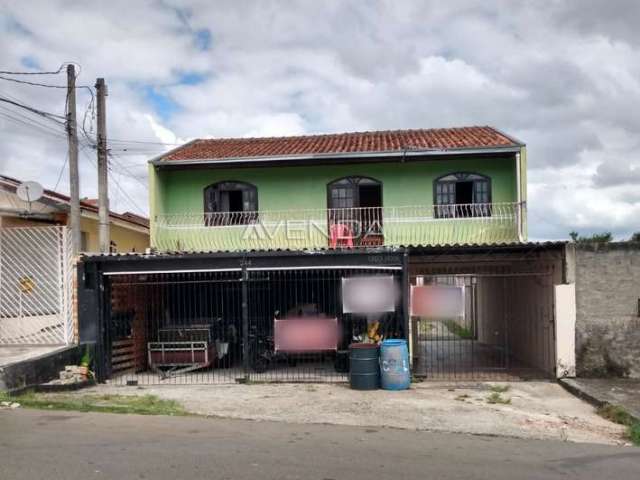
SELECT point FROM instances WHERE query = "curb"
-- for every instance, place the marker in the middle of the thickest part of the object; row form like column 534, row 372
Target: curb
column 593, row 400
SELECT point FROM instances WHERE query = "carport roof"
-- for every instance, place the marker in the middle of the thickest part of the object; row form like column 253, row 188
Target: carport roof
column 514, row 246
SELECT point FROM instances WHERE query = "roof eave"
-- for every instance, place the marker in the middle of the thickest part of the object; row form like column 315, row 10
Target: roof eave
column 340, row 155
column 515, row 140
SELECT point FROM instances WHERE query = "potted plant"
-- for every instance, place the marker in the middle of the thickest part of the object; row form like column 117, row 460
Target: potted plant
column 85, row 364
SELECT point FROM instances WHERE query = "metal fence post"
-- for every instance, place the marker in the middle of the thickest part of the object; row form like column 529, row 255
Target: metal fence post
column 245, row 319
column 406, row 294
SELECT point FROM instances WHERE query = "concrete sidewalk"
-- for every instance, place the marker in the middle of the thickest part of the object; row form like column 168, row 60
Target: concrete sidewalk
column 535, row 410
column 10, row 354
column 622, row 392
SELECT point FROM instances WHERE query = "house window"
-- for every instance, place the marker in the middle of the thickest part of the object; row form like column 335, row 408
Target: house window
column 355, row 207
column 355, row 192
column 230, row 203
column 462, row 195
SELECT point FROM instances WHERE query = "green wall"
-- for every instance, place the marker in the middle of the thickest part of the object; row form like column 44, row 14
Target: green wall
column 178, row 192
column 285, row 188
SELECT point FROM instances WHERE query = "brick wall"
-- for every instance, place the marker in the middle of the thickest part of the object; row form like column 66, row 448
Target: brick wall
column 607, row 280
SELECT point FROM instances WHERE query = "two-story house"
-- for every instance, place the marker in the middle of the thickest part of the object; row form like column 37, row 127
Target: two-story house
column 272, row 255
column 370, row 189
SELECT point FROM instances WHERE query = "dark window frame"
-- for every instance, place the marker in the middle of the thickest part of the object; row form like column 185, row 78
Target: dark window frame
column 354, row 181
column 370, row 222
column 447, row 209
column 248, row 189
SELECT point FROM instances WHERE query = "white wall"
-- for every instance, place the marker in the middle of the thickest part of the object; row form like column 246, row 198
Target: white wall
column 565, row 312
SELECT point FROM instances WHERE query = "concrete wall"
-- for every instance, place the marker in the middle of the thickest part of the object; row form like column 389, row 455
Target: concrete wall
column 134, row 239
column 41, row 369
column 607, row 280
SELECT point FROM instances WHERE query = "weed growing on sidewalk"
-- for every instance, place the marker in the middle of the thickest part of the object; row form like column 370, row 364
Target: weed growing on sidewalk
column 619, row 415
column 499, row 388
column 634, row 433
column 141, row 405
column 496, row 398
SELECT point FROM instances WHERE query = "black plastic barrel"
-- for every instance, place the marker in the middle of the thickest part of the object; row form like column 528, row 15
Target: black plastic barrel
column 364, row 371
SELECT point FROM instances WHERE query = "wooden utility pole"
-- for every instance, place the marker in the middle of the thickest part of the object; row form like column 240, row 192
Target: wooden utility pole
column 103, row 190
column 74, row 179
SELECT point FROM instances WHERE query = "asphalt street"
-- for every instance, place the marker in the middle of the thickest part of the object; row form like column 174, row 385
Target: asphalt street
column 66, row 445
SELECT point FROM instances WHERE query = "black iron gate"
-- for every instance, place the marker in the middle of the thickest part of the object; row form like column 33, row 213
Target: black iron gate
column 183, row 327
column 505, row 329
column 219, row 326
column 310, row 297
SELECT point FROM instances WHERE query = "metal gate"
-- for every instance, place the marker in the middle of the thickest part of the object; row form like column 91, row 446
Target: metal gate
column 303, row 297
column 504, row 330
column 207, row 327
column 36, row 277
column 175, row 328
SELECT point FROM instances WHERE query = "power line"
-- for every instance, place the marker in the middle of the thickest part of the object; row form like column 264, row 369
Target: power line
column 52, row 124
column 40, row 128
column 64, row 166
column 47, row 85
column 37, row 84
column 143, row 142
column 20, row 118
column 122, row 190
column 4, row 72
column 131, row 175
column 42, row 113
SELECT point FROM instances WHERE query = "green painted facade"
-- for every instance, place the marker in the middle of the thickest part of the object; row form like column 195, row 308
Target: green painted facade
column 180, row 191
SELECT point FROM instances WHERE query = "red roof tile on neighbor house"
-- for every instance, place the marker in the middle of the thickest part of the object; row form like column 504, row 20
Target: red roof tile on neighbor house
column 343, row 143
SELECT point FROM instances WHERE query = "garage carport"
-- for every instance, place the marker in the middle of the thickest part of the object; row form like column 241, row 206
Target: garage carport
column 506, row 329
column 211, row 318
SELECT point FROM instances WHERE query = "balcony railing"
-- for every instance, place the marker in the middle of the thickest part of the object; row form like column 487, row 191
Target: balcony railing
column 339, row 228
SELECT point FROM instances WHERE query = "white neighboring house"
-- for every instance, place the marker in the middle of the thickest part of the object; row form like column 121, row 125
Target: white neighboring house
column 36, row 266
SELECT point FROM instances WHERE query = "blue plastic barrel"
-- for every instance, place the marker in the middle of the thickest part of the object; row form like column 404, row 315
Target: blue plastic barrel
column 394, row 365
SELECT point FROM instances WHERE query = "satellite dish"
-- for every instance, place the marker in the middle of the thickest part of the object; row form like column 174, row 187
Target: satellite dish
column 29, row 191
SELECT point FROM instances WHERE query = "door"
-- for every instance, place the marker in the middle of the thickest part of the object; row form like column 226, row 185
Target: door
column 355, row 206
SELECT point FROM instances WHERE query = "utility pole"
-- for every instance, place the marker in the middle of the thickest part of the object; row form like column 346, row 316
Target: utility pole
column 103, row 190
column 74, row 180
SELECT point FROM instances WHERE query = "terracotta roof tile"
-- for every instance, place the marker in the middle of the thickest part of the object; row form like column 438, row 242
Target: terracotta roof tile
column 358, row 142
column 90, row 204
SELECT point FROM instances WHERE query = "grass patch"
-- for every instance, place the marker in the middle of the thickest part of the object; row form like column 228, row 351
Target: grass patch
column 496, row 398
column 619, row 415
column 615, row 414
column 141, row 405
column 499, row 388
column 458, row 329
column 634, row 434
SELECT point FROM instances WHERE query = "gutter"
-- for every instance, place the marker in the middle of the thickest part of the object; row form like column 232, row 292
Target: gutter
column 17, row 213
column 324, row 156
column 519, row 197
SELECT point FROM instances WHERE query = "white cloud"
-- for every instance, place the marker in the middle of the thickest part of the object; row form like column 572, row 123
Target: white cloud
column 563, row 78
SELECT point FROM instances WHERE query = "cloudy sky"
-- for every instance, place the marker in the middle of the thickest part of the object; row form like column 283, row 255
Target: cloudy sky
column 563, row 76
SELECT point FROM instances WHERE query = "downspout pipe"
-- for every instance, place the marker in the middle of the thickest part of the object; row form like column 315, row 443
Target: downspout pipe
column 519, row 198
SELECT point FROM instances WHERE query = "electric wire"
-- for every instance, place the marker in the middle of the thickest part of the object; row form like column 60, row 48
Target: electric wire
column 4, row 72
column 115, row 182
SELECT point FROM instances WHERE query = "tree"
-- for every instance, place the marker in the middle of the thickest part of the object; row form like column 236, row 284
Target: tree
column 635, row 237
column 603, row 237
